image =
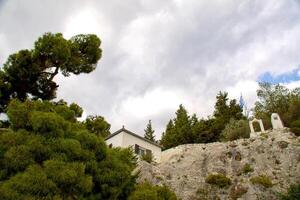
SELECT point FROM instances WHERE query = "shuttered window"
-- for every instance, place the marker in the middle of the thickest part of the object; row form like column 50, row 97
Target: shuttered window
column 136, row 149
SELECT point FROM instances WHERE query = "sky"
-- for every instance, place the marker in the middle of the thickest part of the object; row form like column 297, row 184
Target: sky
column 159, row 54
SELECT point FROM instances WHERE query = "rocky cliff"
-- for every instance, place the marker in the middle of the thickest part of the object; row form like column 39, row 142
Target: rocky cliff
column 254, row 168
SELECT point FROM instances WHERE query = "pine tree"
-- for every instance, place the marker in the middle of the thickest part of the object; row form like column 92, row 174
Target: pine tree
column 167, row 138
column 182, row 126
column 179, row 130
column 224, row 111
column 149, row 132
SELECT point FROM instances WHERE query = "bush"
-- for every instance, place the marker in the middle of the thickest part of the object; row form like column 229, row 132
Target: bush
column 295, row 127
column 219, row 180
column 247, row 169
column 235, row 129
column 293, row 193
column 146, row 191
column 262, row 180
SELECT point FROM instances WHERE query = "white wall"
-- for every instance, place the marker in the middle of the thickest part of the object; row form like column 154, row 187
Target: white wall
column 116, row 140
column 129, row 140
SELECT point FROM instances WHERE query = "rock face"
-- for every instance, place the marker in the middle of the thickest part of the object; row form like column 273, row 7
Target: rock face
column 257, row 168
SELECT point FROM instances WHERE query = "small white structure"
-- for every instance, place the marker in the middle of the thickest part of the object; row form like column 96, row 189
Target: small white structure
column 276, row 121
column 261, row 125
column 125, row 138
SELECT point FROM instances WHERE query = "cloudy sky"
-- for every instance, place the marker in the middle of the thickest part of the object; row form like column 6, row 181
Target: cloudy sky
column 159, row 54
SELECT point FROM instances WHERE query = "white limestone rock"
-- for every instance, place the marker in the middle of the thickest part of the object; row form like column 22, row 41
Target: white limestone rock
column 184, row 169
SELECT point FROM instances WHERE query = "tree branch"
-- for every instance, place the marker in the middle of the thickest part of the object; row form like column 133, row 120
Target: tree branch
column 54, row 74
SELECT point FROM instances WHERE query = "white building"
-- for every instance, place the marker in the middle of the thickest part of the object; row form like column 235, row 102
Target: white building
column 124, row 138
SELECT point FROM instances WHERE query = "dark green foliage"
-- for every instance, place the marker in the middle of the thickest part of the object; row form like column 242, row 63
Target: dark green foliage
column 204, row 131
column 149, row 132
column 5, row 90
column 77, row 109
column 224, row 112
column 31, row 72
column 166, row 139
column 184, row 129
column 31, row 184
column 146, row 191
column 98, row 125
column 48, row 124
column 293, row 193
column 219, row 180
column 262, row 180
column 247, row 169
column 235, row 129
column 21, row 115
column 295, row 127
column 18, row 114
column 50, row 156
column 179, row 130
column 113, row 176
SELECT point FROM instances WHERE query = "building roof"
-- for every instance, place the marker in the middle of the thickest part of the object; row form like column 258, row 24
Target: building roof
column 133, row 134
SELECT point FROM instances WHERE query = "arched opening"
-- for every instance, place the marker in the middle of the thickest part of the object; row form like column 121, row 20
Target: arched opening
column 256, row 126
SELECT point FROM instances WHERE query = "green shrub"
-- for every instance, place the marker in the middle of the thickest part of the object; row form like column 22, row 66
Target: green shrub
column 262, row 180
column 295, row 127
column 202, row 194
column 247, row 169
column 236, row 129
column 293, row 193
column 146, row 191
column 219, row 180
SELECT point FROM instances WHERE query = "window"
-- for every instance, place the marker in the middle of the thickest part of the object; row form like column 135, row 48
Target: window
column 140, row 150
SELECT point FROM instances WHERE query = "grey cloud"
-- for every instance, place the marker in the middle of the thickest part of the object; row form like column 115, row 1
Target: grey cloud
column 190, row 48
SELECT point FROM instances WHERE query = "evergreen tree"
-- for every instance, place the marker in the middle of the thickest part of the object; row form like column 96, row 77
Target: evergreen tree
column 184, row 129
column 225, row 111
column 182, row 126
column 149, row 132
column 221, row 107
column 97, row 124
column 31, row 72
column 49, row 155
column 179, row 130
column 167, row 139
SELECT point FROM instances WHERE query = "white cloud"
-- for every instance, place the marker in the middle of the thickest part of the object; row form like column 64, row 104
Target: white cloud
column 158, row 54
column 246, row 88
column 292, row 85
column 151, row 103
